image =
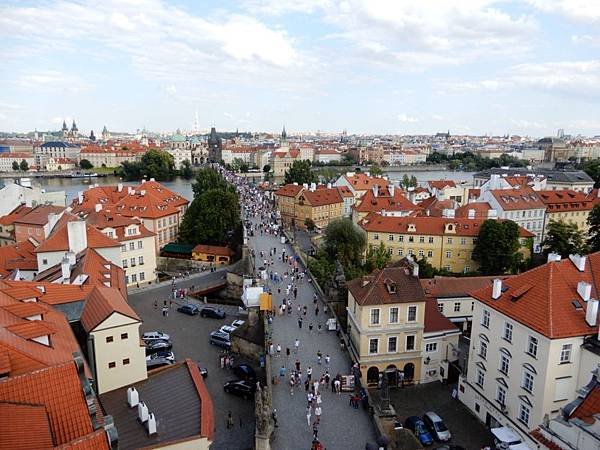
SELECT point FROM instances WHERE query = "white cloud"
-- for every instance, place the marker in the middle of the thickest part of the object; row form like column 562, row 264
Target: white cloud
column 51, row 79
column 523, row 124
column 587, row 11
column 586, row 39
column 438, row 117
column 405, row 118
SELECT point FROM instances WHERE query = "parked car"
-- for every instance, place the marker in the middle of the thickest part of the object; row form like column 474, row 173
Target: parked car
column 162, row 354
column 158, row 346
column 212, row 312
column 158, row 362
column 220, row 339
column 240, row 388
column 227, row 329
column 155, row 335
column 189, row 309
column 450, row 447
column 436, row 426
column 237, row 323
column 203, row 371
column 245, row 372
column 416, row 425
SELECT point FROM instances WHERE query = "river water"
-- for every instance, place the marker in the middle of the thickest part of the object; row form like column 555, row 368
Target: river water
column 183, row 187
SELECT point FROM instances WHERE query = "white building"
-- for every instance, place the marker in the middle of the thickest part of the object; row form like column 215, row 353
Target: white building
column 528, row 350
column 180, row 154
column 8, row 159
column 13, row 195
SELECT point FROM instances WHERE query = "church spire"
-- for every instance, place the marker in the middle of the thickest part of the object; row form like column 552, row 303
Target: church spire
column 283, row 134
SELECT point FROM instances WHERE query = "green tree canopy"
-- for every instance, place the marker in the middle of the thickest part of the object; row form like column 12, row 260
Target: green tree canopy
column 207, row 179
column 15, row 165
column 594, row 229
column 186, row 169
column 85, row 164
column 426, row 270
column 155, row 163
column 377, row 257
column 309, row 224
column 497, row 247
column 375, row 170
column 300, row 172
column 24, row 166
column 565, row 239
column 266, row 168
column 344, row 241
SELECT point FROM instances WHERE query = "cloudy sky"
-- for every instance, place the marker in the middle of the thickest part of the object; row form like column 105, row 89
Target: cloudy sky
column 368, row 66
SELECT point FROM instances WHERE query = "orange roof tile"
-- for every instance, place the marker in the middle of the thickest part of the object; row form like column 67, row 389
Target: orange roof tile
column 15, row 214
column 515, row 199
column 289, row 190
column 59, row 240
column 435, row 321
column 14, row 256
column 25, row 427
column 448, row 287
column 565, row 200
column 25, row 309
column 101, row 304
column 321, row 197
column 480, row 208
column 441, row 184
column 39, row 215
column 541, row 298
column 372, row 289
column 589, row 407
column 31, row 329
column 362, row 182
column 385, row 201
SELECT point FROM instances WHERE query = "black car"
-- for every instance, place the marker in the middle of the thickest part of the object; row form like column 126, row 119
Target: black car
column 212, row 312
column 162, row 354
column 203, row 371
column 245, row 372
column 155, row 363
column 240, row 388
column 189, row 309
column 158, row 346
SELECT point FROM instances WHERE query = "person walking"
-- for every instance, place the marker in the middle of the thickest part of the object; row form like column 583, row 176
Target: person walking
column 229, row 420
column 318, row 414
column 300, row 322
column 317, row 310
column 309, row 372
column 319, row 356
column 310, row 328
column 316, row 386
column 292, row 382
column 297, row 363
column 278, row 350
column 338, row 386
column 282, row 373
column 327, row 360
column 287, row 353
column 308, row 415
column 296, row 346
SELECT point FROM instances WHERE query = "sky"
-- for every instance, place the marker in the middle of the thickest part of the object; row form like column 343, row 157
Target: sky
column 526, row 67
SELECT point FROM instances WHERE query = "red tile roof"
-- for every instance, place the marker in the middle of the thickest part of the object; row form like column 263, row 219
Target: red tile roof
column 31, row 329
column 212, row 250
column 18, row 255
column 384, row 201
column 101, row 304
column 435, row 321
column 15, row 214
column 59, row 240
column 515, row 199
column 25, row 309
column 481, row 210
column 541, row 298
column 373, row 289
column 362, row 182
column 345, row 191
column 289, row 190
column 449, row 287
column 589, row 407
column 39, row 215
column 25, row 427
column 565, row 200
column 426, row 225
column 108, row 218
column 441, row 184
column 321, row 197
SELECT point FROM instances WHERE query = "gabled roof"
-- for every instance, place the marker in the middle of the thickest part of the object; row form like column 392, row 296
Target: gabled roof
column 441, row 184
column 59, row 240
column 321, row 197
column 435, row 321
column 589, row 407
column 384, row 201
column 375, row 289
column 15, row 214
column 38, row 215
column 480, row 208
column 108, row 218
column 101, row 304
column 541, row 298
column 450, row 287
column 289, row 190
column 565, row 200
column 516, row 199
column 18, row 255
column 213, row 249
column 362, row 182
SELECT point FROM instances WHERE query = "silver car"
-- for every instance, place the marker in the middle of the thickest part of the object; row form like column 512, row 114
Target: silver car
column 436, row 425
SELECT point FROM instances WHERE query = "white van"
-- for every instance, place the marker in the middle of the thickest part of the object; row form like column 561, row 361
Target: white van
column 507, row 439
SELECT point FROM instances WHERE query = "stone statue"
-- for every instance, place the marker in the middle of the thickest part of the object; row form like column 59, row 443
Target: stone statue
column 262, row 410
column 384, row 393
column 337, row 288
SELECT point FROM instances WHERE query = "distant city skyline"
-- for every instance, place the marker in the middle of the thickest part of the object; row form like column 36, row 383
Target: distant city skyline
column 527, row 67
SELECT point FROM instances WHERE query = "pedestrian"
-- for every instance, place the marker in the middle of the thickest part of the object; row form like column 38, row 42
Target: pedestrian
column 278, row 350
column 271, row 349
column 308, row 415
column 229, row 420
column 304, row 310
column 315, row 430
column 296, row 346
column 299, row 322
column 309, row 372
column 292, row 382
column 287, row 352
column 318, row 414
column 327, row 360
column 319, row 328
column 327, row 378
column 310, row 327
column 316, row 386
column 317, row 310
column 282, row 373
column 274, row 416
column 319, row 356
column 307, row 384
column 155, row 304
column 297, row 363
column 338, row 386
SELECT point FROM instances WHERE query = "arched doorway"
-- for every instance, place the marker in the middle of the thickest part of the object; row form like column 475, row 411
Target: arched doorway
column 409, row 371
column 391, row 372
column 372, row 375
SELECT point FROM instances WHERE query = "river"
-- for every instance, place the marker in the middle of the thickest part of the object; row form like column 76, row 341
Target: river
column 183, row 187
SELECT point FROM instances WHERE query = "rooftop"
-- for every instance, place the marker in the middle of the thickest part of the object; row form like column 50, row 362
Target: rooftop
column 387, row 286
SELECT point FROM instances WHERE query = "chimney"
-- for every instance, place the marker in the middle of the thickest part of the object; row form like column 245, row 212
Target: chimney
column 133, row 397
column 151, row 425
column 471, row 214
column 152, row 179
column 584, row 290
column 129, row 190
column 578, row 261
column 143, row 181
column 497, row 289
column 328, row 185
column 77, row 234
column 415, row 269
column 375, row 190
column 119, row 187
column 98, row 207
column 591, row 312
column 305, row 185
column 80, row 197
column 391, row 189
column 143, row 192
column 142, row 412
column 553, row 257
column 313, row 187
column 65, row 268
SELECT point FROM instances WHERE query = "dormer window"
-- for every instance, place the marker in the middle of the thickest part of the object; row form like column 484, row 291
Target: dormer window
column 412, row 227
column 390, row 286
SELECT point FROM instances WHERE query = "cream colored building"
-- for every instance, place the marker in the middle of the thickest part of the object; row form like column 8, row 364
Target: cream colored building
column 566, row 206
column 115, row 353
column 534, row 343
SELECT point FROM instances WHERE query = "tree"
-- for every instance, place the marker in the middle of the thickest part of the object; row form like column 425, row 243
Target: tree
column 426, row 270
column 155, row 163
column 497, row 247
column 413, row 181
column 405, row 181
column 300, row 172
column 24, row 166
column 375, row 170
column 186, row 169
column 15, row 165
column 594, row 229
column 207, row 179
column 85, row 164
column 344, row 241
column 377, row 257
column 309, row 224
column 565, row 239
column 266, row 168
column 592, row 168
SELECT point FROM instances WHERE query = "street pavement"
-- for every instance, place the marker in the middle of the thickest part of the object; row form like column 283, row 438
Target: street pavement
column 341, row 427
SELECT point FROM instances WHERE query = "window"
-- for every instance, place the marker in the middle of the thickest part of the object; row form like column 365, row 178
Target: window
column 134, row 278
column 429, row 253
column 132, row 262
column 410, row 343
column 431, row 239
column 111, row 234
column 483, row 349
column 400, row 252
column 421, row 253
column 565, row 353
column 393, row 315
column 422, row 239
column 431, row 347
column 400, row 238
column 456, row 306
column 449, row 240
column 124, row 335
column 126, row 361
column 411, row 239
column 109, row 339
column 472, row 306
column 390, row 237
column 524, row 412
column 501, row 395
column 527, row 382
column 375, row 316
column 112, row 365
column 504, row 364
column 411, row 251
column 448, row 254
column 412, row 314
column 390, row 250
column 463, row 241
column 123, row 248
column 480, row 377
column 142, row 276
column 441, row 307
column 44, row 261
column 485, row 319
column 392, row 344
column 532, row 346
column 508, row 330
column 130, row 231
column 126, row 279
column 376, row 237
column 132, row 246
column 140, row 260
column 373, row 346
column 140, row 244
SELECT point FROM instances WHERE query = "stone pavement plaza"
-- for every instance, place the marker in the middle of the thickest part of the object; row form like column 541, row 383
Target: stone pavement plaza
column 341, row 427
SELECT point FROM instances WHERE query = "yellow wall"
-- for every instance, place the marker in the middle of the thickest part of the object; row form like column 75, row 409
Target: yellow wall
column 192, row 444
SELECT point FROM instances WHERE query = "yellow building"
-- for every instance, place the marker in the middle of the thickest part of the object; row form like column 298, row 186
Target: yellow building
column 567, row 206
column 320, row 204
column 285, row 200
column 212, row 253
column 447, row 243
column 392, row 331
